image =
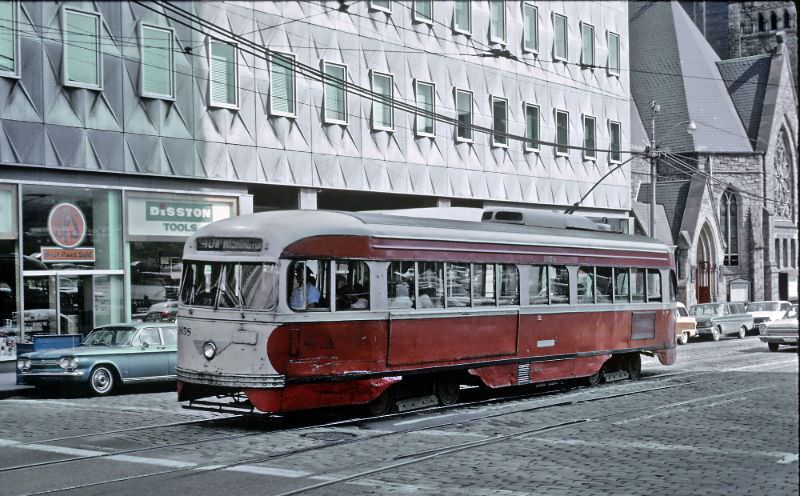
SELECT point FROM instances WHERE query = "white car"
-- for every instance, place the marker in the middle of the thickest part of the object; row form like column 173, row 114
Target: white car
column 767, row 311
column 782, row 331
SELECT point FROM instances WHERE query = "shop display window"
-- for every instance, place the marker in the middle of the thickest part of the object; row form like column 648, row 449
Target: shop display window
column 155, row 272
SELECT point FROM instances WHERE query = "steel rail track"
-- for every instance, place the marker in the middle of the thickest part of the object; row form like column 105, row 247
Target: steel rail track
column 198, row 469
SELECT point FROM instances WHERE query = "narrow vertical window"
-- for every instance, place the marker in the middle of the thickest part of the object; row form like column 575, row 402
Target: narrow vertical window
column 382, row 109
column 335, row 96
column 530, row 41
column 82, row 64
column 562, row 133
column 531, row 127
column 589, row 138
column 785, row 253
column 462, row 17
column 587, row 50
column 497, row 30
column 425, row 101
column 613, row 54
column 157, row 62
column 223, row 81
column 499, row 121
column 9, row 41
column 560, row 47
column 615, row 130
column 383, row 5
column 423, row 11
column 464, row 109
column 282, row 85
column 729, row 224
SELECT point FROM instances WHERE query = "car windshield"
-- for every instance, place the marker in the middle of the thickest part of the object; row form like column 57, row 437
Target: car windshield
column 682, row 312
column 715, row 309
column 764, row 306
column 110, row 336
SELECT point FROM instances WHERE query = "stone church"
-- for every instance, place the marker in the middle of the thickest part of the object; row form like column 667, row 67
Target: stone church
column 726, row 194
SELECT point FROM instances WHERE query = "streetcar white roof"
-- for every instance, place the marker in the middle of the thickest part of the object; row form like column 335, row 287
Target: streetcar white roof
column 279, row 229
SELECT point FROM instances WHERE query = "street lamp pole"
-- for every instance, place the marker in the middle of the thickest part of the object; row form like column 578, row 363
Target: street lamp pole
column 655, row 109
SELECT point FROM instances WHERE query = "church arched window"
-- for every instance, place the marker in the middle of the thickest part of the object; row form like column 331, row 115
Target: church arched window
column 787, row 20
column 783, row 178
column 729, row 223
column 761, row 22
column 773, row 21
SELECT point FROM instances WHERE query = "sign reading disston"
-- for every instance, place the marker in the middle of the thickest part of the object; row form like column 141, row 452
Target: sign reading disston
column 183, row 212
column 173, row 217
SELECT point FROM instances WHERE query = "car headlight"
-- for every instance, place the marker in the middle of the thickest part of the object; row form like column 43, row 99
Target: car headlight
column 209, row 350
column 23, row 364
column 68, row 363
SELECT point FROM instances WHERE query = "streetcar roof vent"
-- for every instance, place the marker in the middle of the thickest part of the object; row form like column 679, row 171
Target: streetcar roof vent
column 537, row 218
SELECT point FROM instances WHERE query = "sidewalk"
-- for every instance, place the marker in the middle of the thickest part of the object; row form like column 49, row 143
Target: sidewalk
column 8, row 381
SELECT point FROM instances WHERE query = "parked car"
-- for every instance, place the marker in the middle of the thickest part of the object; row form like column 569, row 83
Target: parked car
column 767, row 311
column 719, row 319
column 781, row 331
column 109, row 356
column 685, row 324
column 166, row 311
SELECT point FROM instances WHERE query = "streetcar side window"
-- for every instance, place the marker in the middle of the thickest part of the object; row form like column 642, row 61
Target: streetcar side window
column 537, row 285
column 637, row 285
column 483, row 285
column 558, row 280
column 308, row 285
column 509, row 284
column 259, row 286
column 653, row 285
column 604, row 284
column 400, row 280
column 431, row 285
column 621, row 285
column 458, row 284
column 586, row 285
column 352, row 285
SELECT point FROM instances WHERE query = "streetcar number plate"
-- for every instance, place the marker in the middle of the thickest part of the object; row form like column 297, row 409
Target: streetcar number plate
column 245, row 337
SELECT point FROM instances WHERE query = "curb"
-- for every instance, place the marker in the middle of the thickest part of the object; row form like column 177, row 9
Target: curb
column 19, row 390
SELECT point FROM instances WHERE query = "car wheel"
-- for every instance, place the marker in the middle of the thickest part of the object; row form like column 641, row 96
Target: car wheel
column 715, row 333
column 773, row 346
column 683, row 338
column 742, row 332
column 101, row 380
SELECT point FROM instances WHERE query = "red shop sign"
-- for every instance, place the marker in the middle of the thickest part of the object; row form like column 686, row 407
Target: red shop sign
column 67, row 225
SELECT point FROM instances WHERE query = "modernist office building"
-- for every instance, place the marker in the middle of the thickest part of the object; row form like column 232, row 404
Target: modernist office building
column 124, row 127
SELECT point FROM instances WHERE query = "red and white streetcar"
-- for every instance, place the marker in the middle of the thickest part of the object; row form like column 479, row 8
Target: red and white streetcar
column 306, row 309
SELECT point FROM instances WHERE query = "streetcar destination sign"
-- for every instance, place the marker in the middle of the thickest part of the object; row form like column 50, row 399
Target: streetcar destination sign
column 229, row 244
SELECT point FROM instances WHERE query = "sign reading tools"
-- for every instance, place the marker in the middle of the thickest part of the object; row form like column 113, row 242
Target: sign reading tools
column 67, row 227
column 154, row 217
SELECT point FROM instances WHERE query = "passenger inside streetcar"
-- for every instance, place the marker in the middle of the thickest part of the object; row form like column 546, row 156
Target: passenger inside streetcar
column 312, row 295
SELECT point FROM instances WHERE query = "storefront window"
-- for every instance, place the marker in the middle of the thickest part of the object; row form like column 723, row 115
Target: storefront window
column 155, row 274
column 8, row 298
column 72, row 228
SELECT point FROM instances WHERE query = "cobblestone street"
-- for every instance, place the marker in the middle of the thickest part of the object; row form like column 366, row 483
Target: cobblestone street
column 722, row 421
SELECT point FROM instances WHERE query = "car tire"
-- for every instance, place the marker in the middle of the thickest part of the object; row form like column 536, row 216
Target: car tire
column 683, row 338
column 102, row 380
column 773, row 346
column 716, row 333
column 742, row 332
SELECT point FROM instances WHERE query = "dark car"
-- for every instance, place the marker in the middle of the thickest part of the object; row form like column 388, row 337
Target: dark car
column 109, row 356
column 719, row 319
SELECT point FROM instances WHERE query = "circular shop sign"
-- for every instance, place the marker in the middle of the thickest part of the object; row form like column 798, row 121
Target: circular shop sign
column 67, row 225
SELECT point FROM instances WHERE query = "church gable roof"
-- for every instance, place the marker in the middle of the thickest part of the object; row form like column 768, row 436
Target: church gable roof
column 672, row 195
column 674, row 65
column 746, row 79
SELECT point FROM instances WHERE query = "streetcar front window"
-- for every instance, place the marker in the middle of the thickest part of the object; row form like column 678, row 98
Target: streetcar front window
column 252, row 286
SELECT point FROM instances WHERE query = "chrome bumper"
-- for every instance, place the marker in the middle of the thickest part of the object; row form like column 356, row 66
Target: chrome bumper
column 779, row 339
column 232, row 380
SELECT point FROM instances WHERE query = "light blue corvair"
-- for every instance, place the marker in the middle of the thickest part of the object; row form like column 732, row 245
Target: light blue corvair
column 110, row 355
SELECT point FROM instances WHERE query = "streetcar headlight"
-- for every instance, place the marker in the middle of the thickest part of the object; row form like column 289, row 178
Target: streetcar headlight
column 68, row 363
column 209, row 350
column 23, row 364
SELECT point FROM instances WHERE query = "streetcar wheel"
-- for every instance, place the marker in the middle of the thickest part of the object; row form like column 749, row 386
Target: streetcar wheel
column 447, row 389
column 633, row 365
column 101, row 381
column 383, row 404
column 773, row 346
column 683, row 338
column 593, row 380
column 716, row 333
column 742, row 332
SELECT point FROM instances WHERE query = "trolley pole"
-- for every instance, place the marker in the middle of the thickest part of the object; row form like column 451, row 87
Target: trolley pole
column 651, row 153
